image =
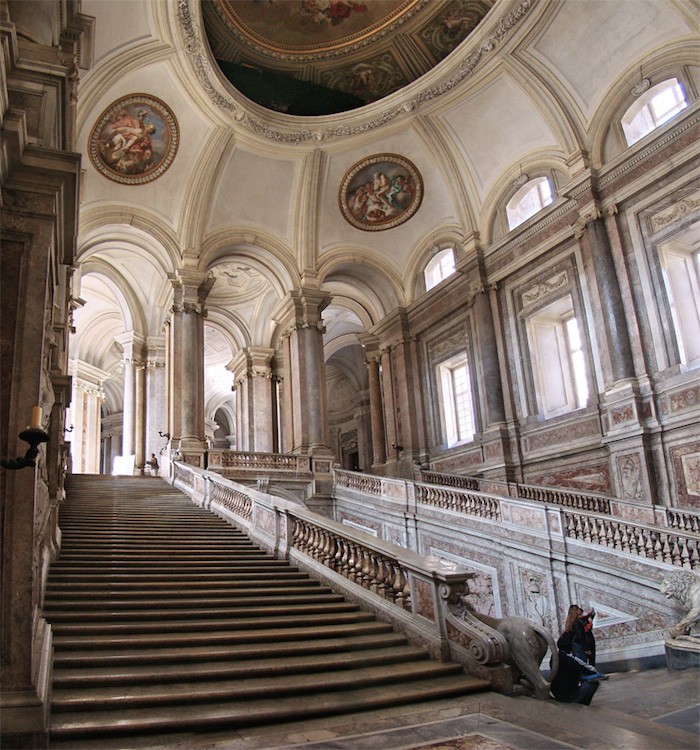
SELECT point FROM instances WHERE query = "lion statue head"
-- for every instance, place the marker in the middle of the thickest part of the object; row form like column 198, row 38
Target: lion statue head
column 684, row 585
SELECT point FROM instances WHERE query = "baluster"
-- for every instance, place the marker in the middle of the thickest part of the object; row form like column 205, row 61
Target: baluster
column 351, row 561
column 383, row 572
column 616, row 537
column 365, row 574
column 695, row 557
column 685, row 555
column 667, row 550
column 325, row 548
column 343, row 569
column 372, row 572
column 357, row 568
column 398, row 585
column 625, row 539
column 675, row 551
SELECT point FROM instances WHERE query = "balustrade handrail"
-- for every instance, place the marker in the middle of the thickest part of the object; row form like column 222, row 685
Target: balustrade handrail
column 478, row 504
column 259, row 460
column 671, row 543
column 684, row 519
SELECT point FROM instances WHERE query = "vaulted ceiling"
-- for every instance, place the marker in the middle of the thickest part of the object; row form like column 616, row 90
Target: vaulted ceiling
column 472, row 93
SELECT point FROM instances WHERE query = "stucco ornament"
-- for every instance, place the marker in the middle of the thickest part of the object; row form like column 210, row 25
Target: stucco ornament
column 684, row 585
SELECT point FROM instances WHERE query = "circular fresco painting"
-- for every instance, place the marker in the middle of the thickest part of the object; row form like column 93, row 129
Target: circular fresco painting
column 135, row 140
column 380, row 192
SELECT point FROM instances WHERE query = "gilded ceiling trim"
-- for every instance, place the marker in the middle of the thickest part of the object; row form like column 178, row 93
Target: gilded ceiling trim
column 196, row 46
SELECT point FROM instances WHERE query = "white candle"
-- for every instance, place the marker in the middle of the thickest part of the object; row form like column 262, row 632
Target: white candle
column 36, row 418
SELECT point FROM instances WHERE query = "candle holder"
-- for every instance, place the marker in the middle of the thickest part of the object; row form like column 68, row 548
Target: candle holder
column 34, row 436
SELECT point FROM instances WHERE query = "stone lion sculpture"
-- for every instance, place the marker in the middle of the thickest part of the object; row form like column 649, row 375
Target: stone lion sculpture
column 527, row 643
column 684, row 585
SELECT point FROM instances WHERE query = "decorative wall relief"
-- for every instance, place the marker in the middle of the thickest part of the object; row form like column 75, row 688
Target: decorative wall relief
column 135, row 140
column 536, row 603
column 380, row 192
column 629, row 469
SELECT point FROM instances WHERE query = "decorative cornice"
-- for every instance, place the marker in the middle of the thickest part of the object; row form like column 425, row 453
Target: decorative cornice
column 521, row 238
column 645, row 153
column 205, row 75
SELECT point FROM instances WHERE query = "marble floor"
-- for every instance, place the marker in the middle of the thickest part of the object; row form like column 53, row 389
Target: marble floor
column 650, row 710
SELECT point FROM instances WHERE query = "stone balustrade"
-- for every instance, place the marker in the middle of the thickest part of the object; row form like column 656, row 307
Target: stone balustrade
column 416, row 593
column 682, row 550
column 682, row 519
column 278, row 463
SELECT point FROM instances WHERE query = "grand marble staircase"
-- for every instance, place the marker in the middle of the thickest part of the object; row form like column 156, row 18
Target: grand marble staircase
column 167, row 619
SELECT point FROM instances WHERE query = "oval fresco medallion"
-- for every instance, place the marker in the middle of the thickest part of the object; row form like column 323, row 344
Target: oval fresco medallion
column 380, row 192
column 135, row 140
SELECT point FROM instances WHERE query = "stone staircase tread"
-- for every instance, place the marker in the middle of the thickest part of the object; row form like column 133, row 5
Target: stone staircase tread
column 245, row 713
column 239, row 669
column 149, row 640
column 271, row 597
column 210, row 625
column 96, row 698
column 232, row 580
column 335, row 603
column 244, row 606
column 208, row 652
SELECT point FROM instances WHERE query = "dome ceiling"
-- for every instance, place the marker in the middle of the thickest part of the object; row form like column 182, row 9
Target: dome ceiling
column 316, row 57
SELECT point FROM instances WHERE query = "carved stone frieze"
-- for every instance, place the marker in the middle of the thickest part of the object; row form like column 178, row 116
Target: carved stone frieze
column 543, row 288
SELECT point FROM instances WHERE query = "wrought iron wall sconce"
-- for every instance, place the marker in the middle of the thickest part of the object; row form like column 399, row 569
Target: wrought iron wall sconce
column 164, row 434
column 397, row 447
column 34, row 436
column 69, row 429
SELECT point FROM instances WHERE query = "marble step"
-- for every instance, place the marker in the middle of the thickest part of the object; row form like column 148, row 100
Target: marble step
column 81, row 576
column 90, row 698
column 267, row 620
column 230, row 714
column 140, row 674
column 218, row 637
column 244, row 607
column 255, row 596
column 118, row 657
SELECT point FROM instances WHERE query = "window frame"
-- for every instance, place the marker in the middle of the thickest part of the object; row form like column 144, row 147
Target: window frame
column 575, row 383
column 534, row 184
column 452, row 435
column 436, row 261
column 643, row 106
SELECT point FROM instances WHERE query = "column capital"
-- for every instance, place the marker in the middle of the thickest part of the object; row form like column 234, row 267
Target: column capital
column 190, row 289
column 301, row 308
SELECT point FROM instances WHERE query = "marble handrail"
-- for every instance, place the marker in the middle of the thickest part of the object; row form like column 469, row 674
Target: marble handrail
column 660, row 534
column 683, row 519
column 415, row 592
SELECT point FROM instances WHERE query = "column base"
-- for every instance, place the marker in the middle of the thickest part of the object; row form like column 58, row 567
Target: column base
column 24, row 720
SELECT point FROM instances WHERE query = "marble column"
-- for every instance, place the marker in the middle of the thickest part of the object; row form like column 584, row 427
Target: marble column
column 155, row 395
column 300, row 314
column 132, row 431
column 186, row 350
column 376, row 409
column 363, row 421
column 389, row 403
column 613, row 328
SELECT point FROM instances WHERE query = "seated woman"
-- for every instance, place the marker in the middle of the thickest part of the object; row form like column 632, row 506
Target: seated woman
column 575, row 680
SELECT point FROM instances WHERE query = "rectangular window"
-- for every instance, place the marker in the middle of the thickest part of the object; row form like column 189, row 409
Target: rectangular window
column 681, row 270
column 457, row 403
column 558, row 359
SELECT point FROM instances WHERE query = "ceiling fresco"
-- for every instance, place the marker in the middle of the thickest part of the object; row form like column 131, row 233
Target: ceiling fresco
column 315, row 57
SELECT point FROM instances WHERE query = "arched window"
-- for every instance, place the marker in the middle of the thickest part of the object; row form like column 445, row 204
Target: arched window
column 532, row 197
column 653, row 108
column 440, row 267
